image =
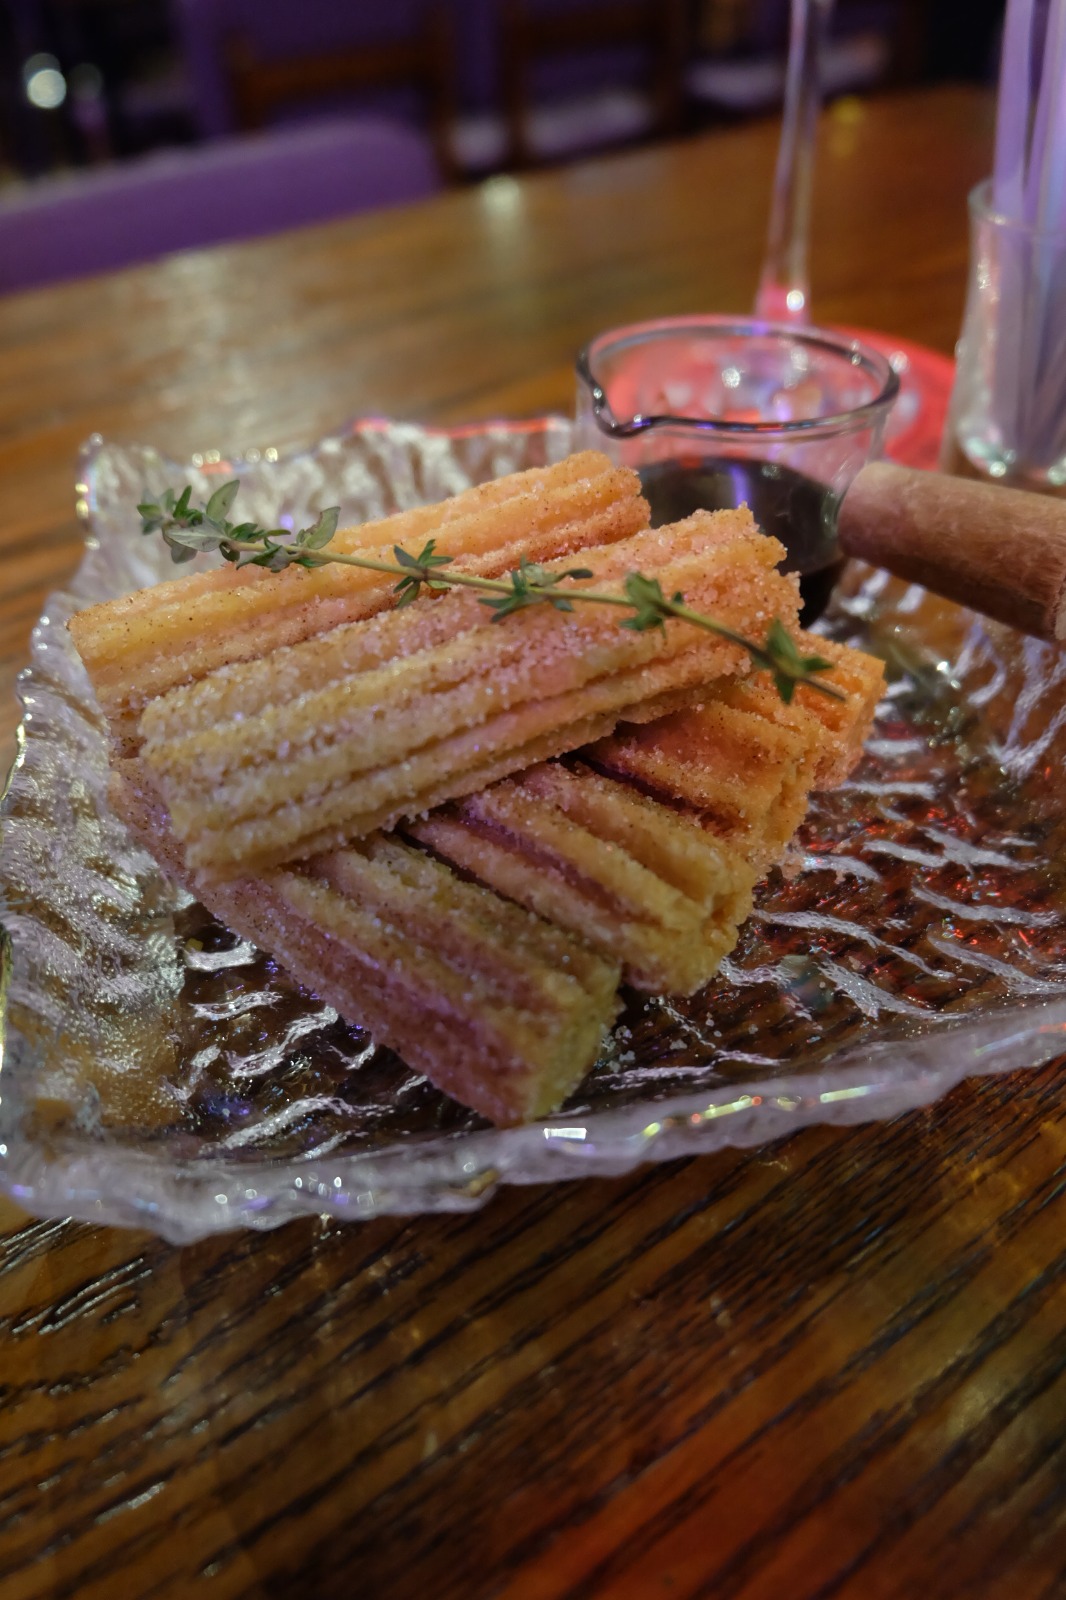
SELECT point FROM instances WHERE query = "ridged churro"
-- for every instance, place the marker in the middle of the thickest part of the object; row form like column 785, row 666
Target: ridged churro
column 652, row 858
column 497, row 1007
column 629, row 874
column 500, row 991
column 144, row 644
column 574, row 802
column 746, row 762
column 314, row 744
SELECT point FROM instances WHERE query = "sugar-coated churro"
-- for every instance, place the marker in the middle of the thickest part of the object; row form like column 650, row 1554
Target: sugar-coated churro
column 299, row 751
column 744, row 760
column 144, row 644
column 498, row 1008
column 500, row 991
column 627, row 873
column 653, row 857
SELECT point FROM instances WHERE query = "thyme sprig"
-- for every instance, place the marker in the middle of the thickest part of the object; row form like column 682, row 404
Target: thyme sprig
column 189, row 529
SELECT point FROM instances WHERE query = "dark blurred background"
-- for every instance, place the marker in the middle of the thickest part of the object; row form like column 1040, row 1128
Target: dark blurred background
column 89, row 81
column 247, row 116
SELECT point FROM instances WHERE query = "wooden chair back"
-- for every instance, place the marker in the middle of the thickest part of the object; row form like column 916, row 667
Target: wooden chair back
column 529, row 34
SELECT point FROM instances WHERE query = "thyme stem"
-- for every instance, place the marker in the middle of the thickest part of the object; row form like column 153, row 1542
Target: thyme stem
column 188, row 529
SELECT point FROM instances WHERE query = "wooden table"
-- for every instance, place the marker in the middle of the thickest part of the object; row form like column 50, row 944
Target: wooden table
column 834, row 1367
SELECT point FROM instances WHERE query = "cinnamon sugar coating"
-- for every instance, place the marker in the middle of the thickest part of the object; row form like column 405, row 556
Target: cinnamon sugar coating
column 315, row 744
column 142, row 645
column 486, row 945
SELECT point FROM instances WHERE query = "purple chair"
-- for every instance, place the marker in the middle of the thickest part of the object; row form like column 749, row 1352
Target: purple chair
column 252, row 63
column 235, row 189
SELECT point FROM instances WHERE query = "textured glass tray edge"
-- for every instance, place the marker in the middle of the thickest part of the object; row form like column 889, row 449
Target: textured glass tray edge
column 460, row 1172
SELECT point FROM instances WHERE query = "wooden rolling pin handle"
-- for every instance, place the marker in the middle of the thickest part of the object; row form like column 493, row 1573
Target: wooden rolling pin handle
column 1000, row 551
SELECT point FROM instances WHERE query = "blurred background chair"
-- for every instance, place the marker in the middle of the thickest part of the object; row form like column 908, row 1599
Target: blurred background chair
column 455, row 89
column 254, row 63
column 579, row 75
column 737, row 63
column 495, row 83
column 238, row 188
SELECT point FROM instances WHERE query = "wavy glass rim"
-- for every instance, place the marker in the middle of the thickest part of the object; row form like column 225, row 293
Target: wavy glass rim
column 461, row 1172
column 851, row 349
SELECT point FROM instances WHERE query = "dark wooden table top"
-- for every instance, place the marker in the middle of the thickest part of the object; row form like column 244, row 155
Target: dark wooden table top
column 832, row 1367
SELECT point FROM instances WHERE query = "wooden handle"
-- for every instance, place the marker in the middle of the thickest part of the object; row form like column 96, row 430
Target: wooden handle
column 1000, row 551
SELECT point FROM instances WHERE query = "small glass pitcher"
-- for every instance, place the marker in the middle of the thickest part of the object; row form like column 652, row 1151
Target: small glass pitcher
column 716, row 411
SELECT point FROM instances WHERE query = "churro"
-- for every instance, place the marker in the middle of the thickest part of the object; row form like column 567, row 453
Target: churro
column 302, row 750
column 144, row 644
column 497, row 1007
column 652, row 858
column 746, row 762
column 500, row 990
column 629, row 874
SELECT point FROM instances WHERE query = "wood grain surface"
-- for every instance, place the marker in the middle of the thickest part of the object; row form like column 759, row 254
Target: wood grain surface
column 835, row 1367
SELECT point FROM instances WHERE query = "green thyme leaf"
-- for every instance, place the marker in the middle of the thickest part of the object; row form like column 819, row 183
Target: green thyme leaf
column 221, row 502
column 787, row 666
column 425, row 560
column 194, row 539
column 650, row 605
column 178, row 551
column 151, row 515
column 319, row 534
column 418, row 570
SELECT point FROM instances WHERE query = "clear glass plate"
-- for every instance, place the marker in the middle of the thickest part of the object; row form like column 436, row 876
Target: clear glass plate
column 160, row 1073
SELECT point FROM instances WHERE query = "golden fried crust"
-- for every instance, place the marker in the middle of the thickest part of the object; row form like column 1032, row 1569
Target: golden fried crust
column 746, row 761
column 144, row 644
column 500, row 989
column 281, row 758
column 652, row 857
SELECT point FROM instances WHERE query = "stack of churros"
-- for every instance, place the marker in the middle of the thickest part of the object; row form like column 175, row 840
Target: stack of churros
column 376, row 721
column 542, row 853
column 144, row 644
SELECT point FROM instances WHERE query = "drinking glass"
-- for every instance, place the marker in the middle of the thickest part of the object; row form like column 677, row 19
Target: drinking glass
column 784, row 292
column 1008, row 408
